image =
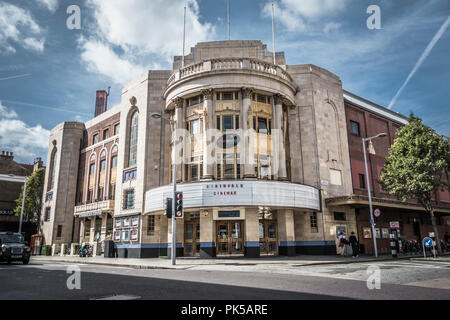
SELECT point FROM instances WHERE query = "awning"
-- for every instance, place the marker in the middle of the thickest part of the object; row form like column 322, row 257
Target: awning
column 362, row 200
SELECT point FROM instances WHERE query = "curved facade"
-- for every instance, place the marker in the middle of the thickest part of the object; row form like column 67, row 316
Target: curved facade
column 259, row 146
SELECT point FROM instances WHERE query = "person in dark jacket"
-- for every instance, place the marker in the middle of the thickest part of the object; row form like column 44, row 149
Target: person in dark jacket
column 354, row 243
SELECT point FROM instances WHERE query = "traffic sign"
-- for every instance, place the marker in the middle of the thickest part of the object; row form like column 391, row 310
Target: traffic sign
column 377, row 213
column 179, row 212
column 394, row 225
column 428, row 242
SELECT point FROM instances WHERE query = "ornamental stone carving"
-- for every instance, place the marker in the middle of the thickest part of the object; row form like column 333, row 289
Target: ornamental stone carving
column 248, row 92
column 133, row 101
column 208, row 94
column 178, row 102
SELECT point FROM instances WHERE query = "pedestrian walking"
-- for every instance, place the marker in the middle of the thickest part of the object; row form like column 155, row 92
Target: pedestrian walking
column 343, row 244
column 355, row 245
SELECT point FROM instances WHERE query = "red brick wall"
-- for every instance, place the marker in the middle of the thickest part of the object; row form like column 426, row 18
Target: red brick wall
column 83, row 179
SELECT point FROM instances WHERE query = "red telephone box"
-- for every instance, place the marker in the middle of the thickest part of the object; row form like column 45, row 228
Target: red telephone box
column 36, row 244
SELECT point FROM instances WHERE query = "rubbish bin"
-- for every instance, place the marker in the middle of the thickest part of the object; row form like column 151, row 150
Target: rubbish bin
column 48, row 251
column 109, row 249
column 362, row 249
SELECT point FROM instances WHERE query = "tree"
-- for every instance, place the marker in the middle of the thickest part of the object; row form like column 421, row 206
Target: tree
column 417, row 166
column 33, row 197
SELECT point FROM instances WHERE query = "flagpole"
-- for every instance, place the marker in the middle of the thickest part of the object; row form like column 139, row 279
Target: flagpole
column 184, row 36
column 273, row 33
column 229, row 25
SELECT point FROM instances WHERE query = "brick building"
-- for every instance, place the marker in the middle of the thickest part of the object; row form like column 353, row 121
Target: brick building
column 366, row 119
column 10, row 191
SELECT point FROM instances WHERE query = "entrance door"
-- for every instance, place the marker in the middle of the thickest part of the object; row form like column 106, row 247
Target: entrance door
column 191, row 238
column 268, row 237
column 230, row 238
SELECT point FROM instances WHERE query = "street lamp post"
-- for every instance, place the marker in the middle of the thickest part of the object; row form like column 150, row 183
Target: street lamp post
column 23, row 204
column 372, row 222
column 174, row 224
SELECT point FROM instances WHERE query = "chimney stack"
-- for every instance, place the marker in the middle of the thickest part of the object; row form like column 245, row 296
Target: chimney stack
column 37, row 164
column 101, row 101
column 6, row 155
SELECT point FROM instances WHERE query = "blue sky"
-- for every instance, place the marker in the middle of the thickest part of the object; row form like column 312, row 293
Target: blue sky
column 49, row 74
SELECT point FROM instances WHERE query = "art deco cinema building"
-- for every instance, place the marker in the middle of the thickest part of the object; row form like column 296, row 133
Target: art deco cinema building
column 260, row 147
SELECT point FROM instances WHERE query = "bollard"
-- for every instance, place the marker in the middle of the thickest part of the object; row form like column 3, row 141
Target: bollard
column 63, row 250
column 393, row 246
column 72, row 249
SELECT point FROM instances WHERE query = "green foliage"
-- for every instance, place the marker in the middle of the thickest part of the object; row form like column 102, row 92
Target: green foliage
column 33, row 198
column 418, row 163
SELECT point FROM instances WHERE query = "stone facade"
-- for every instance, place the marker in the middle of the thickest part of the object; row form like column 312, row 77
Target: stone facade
column 260, row 150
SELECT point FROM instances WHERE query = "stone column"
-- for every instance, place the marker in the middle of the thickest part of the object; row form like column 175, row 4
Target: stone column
column 286, row 232
column 82, row 229
column 252, row 233
column 208, row 125
column 279, row 137
column 104, row 224
column 179, row 117
column 92, row 234
column 207, row 235
column 162, row 223
column 247, row 154
column 179, row 237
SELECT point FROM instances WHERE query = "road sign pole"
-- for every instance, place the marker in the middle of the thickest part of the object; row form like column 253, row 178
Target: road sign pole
column 174, row 222
column 372, row 222
column 423, row 246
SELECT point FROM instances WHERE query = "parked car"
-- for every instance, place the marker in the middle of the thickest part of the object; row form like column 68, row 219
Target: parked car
column 13, row 248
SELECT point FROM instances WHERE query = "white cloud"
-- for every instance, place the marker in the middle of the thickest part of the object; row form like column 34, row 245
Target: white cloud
column 51, row 5
column 25, row 141
column 331, row 27
column 33, row 44
column 126, row 32
column 100, row 58
column 6, row 113
column 294, row 14
column 17, row 27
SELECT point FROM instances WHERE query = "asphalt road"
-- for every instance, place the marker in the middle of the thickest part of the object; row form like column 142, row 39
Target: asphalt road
column 399, row 280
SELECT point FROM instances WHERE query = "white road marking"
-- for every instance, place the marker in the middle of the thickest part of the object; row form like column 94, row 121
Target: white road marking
column 118, row 297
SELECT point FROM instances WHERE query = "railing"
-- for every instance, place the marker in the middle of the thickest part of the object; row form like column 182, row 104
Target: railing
column 100, row 205
column 229, row 64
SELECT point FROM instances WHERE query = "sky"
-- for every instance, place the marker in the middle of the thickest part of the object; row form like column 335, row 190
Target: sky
column 50, row 73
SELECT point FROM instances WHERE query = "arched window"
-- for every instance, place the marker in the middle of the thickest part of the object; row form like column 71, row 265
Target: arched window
column 51, row 177
column 133, row 139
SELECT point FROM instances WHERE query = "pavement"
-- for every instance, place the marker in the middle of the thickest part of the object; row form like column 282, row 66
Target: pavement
column 232, row 279
column 269, row 262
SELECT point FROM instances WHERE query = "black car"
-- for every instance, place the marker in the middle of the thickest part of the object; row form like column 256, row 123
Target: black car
column 13, row 248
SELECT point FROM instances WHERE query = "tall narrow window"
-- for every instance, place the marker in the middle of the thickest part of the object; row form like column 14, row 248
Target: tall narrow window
column 113, row 175
column 101, row 180
column 91, row 181
column 51, row 178
column 362, row 183
column 354, row 128
column 133, row 139
column 116, row 129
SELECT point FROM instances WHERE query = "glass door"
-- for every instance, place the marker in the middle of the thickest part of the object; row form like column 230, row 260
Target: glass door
column 191, row 238
column 222, row 237
column 268, row 237
column 237, row 240
column 230, row 238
